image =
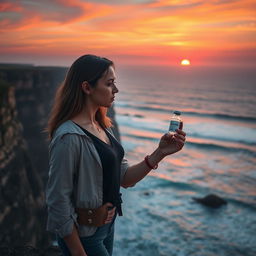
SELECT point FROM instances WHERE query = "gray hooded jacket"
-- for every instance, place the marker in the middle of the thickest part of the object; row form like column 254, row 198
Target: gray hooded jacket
column 75, row 179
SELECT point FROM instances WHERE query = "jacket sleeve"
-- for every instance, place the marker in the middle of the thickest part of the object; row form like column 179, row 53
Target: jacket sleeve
column 59, row 189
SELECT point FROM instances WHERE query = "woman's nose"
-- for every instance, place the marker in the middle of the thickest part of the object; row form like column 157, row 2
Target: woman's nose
column 115, row 89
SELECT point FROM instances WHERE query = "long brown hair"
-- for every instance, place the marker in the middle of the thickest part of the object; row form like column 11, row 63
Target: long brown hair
column 70, row 99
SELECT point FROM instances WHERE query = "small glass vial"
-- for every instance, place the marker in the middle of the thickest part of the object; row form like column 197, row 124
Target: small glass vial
column 175, row 122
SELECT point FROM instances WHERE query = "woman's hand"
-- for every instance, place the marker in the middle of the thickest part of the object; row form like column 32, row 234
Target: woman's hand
column 170, row 144
column 111, row 213
column 74, row 244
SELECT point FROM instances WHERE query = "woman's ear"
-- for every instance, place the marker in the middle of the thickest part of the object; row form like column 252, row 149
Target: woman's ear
column 86, row 87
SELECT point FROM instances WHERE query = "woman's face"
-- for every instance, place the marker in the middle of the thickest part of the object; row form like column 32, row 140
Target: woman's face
column 103, row 94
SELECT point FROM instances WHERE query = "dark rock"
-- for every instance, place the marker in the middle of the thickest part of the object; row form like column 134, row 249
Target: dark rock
column 34, row 92
column 211, row 200
column 21, row 191
column 26, row 93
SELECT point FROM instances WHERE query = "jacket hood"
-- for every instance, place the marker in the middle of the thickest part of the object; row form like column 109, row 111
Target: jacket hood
column 68, row 127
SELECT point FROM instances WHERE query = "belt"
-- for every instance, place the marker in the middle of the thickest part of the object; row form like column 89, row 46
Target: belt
column 92, row 217
column 97, row 217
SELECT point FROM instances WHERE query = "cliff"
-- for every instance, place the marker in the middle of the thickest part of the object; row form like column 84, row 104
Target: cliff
column 34, row 91
column 21, row 187
column 26, row 94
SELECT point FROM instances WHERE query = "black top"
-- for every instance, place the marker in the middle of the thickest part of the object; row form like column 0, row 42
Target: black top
column 111, row 157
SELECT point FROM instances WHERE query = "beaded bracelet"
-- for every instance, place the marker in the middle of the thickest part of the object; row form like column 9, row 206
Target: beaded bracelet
column 149, row 165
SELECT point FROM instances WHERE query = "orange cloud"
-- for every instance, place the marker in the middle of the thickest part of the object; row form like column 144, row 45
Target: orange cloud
column 200, row 30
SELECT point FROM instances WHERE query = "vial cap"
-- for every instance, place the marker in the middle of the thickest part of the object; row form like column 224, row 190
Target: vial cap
column 178, row 113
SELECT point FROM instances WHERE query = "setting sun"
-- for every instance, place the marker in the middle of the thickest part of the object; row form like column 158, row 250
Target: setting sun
column 185, row 62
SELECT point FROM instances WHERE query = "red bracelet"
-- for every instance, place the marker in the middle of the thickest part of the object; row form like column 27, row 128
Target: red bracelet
column 149, row 165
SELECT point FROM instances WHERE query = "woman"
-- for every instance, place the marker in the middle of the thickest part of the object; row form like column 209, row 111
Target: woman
column 87, row 164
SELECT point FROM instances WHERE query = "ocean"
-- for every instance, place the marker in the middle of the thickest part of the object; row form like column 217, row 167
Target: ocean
column 218, row 110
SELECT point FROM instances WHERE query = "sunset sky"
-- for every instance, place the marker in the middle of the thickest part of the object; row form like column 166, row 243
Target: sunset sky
column 141, row 32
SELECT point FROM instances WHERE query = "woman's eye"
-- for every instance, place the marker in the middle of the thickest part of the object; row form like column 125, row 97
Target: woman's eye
column 112, row 84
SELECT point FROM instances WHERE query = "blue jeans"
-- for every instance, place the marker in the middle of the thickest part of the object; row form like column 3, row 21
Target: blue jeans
column 99, row 244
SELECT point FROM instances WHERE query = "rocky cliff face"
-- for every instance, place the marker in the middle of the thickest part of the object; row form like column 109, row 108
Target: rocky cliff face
column 21, row 198
column 34, row 91
column 24, row 106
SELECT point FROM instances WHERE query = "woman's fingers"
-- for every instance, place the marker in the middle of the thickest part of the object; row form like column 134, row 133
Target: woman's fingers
column 112, row 212
column 109, row 205
column 179, row 137
column 169, row 137
column 181, row 132
column 110, row 215
column 180, row 144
